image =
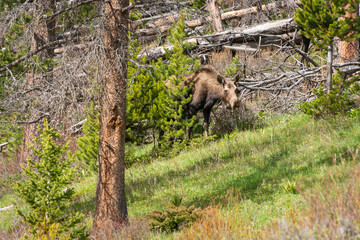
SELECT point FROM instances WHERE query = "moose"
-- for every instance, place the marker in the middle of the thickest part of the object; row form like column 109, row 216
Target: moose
column 208, row 88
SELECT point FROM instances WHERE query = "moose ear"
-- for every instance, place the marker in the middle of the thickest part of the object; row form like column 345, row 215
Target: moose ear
column 220, row 79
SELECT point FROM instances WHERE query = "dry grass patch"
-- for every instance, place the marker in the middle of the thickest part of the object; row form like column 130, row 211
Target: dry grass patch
column 333, row 206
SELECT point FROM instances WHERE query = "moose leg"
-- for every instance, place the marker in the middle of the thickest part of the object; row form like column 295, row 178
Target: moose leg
column 161, row 136
column 188, row 129
column 188, row 132
column 191, row 113
column 206, row 113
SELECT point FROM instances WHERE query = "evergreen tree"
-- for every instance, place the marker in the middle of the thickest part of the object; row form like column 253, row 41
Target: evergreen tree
column 143, row 91
column 9, row 4
column 323, row 20
column 46, row 189
column 234, row 68
column 89, row 143
column 174, row 120
column 153, row 104
column 198, row 3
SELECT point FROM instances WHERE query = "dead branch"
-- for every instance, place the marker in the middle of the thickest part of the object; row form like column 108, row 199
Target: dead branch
column 32, row 53
column 78, row 4
column 6, row 208
column 74, row 129
column 162, row 23
column 28, row 122
column 269, row 30
column 3, row 145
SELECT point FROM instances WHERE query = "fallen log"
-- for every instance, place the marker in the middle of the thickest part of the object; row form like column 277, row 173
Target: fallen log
column 266, row 7
column 162, row 23
column 267, row 31
column 3, row 145
column 215, row 15
column 245, row 48
column 6, row 208
column 151, row 12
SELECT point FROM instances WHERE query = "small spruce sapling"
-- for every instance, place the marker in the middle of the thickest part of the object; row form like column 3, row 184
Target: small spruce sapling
column 89, row 143
column 339, row 100
column 175, row 120
column 234, row 68
column 144, row 88
column 47, row 191
column 151, row 103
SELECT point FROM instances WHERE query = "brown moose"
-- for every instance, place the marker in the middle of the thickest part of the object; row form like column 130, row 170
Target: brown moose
column 209, row 88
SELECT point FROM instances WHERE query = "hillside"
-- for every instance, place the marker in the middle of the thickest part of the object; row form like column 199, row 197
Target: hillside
column 251, row 180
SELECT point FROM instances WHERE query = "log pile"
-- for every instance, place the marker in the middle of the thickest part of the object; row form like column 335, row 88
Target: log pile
column 275, row 30
column 162, row 23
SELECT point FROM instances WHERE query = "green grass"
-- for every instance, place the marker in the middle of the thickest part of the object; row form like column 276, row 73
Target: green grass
column 253, row 176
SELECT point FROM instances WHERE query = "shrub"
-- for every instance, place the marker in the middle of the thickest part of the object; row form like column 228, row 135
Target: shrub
column 198, row 3
column 339, row 100
column 355, row 113
column 46, row 189
column 226, row 121
column 212, row 226
column 173, row 217
column 234, row 68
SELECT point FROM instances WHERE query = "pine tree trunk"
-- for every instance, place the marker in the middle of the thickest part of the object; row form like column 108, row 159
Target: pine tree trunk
column 111, row 210
column 44, row 34
column 215, row 15
column 348, row 50
column 329, row 67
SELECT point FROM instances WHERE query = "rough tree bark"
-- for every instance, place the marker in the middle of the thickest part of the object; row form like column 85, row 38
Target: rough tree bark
column 111, row 210
column 215, row 16
column 44, row 34
column 348, row 50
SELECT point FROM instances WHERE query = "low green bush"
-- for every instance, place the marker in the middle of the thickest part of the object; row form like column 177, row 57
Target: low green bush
column 339, row 100
column 173, row 217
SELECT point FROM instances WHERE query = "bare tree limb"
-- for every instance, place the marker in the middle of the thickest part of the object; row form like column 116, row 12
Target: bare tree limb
column 32, row 53
column 6, row 208
column 1, row 149
column 27, row 122
column 79, row 4
column 161, row 20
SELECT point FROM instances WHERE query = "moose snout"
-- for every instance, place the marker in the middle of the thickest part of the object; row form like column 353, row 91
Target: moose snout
column 236, row 103
column 233, row 104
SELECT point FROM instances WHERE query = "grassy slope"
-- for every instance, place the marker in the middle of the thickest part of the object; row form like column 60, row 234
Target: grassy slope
column 250, row 175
